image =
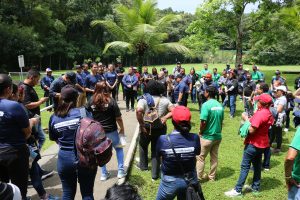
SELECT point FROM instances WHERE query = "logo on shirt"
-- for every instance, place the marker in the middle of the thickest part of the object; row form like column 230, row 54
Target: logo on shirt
column 70, row 124
column 216, row 108
column 1, row 113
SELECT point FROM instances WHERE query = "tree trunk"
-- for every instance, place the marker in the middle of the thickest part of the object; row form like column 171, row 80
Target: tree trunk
column 239, row 45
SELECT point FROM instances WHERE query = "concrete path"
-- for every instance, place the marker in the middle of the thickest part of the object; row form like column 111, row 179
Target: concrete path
column 49, row 159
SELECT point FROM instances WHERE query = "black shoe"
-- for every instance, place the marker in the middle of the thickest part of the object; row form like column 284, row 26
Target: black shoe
column 47, row 174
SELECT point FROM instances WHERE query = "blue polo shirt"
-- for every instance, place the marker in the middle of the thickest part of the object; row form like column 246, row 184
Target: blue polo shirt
column 111, row 77
column 79, row 79
column 56, row 87
column 13, row 118
column 129, row 80
column 85, row 74
column 63, row 130
column 186, row 146
column 46, row 81
column 92, row 80
column 181, row 87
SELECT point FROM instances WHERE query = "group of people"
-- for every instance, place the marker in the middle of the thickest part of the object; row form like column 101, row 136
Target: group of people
column 178, row 156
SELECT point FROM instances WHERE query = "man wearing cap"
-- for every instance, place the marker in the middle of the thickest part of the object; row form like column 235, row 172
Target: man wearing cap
column 180, row 89
column 92, row 79
column 292, row 166
column 81, row 100
column 255, row 143
column 176, row 69
column 278, row 78
column 207, row 82
column 120, row 72
column 58, row 84
column 204, row 71
column 256, row 75
column 45, row 85
column 212, row 115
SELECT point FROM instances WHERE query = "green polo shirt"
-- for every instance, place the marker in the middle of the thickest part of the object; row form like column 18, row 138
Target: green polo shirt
column 213, row 113
column 216, row 77
column 296, row 145
column 256, row 76
column 203, row 73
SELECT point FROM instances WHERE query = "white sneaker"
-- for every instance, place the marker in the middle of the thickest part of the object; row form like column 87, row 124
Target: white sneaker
column 232, row 193
column 104, row 177
column 286, row 130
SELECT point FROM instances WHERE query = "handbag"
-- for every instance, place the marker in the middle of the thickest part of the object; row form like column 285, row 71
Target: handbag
column 151, row 118
column 193, row 191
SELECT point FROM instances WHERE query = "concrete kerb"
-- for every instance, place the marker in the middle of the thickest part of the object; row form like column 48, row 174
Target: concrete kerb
column 130, row 155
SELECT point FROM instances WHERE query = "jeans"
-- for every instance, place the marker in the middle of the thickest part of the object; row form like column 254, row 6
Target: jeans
column 130, row 97
column 194, row 95
column 144, row 142
column 252, row 155
column 41, row 135
column 232, row 104
column 50, row 100
column 211, row 147
column 172, row 186
column 16, row 169
column 69, row 172
column 276, row 132
column 114, row 136
column 288, row 119
column 294, row 193
column 35, row 173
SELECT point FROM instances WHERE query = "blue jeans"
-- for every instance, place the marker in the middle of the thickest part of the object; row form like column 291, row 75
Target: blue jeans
column 69, row 172
column 36, row 178
column 232, row 105
column 294, row 193
column 172, row 186
column 41, row 135
column 251, row 155
column 194, row 95
column 114, row 136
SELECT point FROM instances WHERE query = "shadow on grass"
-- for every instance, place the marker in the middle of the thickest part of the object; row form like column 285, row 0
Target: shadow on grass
column 269, row 183
column 225, row 172
column 274, row 163
column 137, row 180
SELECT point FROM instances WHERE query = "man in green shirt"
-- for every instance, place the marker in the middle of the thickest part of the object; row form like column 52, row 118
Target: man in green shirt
column 256, row 75
column 292, row 166
column 204, row 71
column 212, row 115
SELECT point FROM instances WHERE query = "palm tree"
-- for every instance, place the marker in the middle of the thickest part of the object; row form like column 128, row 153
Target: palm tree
column 138, row 31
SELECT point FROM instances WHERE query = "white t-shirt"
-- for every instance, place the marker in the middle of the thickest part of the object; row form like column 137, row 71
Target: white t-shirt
column 163, row 106
column 280, row 101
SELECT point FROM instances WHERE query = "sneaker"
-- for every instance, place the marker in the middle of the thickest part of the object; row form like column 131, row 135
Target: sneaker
column 232, row 193
column 49, row 197
column 104, row 177
column 231, row 116
column 266, row 169
column 286, row 130
column 137, row 165
column 47, row 174
column 204, row 177
column 121, row 174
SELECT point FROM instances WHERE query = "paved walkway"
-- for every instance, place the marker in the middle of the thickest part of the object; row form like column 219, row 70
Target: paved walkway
column 49, row 159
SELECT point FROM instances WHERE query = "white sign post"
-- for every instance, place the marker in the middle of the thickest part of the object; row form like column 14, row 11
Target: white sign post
column 21, row 65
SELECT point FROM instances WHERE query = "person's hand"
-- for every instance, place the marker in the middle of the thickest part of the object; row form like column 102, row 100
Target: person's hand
column 291, row 182
column 34, row 121
column 190, row 91
column 129, row 86
column 121, row 131
column 163, row 120
column 44, row 99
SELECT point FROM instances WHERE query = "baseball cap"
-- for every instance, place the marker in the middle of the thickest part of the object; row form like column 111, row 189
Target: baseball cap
column 180, row 114
column 134, row 68
column 72, row 77
column 277, row 72
column 68, row 93
column 208, row 76
column 78, row 66
column 266, row 98
column 282, row 88
column 178, row 62
column 48, row 70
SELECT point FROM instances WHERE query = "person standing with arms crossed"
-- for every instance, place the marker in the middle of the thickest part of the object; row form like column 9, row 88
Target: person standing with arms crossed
column 212, row 115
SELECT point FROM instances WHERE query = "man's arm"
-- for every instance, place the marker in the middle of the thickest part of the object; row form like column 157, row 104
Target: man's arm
column 288, row 167
column 121, row 125
column 36, row 104
column 202, row 127
column 139, row 117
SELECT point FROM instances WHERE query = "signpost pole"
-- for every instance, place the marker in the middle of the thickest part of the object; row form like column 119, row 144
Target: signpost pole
column 21, row 65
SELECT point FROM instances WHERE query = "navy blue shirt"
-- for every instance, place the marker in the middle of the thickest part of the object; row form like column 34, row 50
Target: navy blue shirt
column 181, row 87
column 56, row 87
column 186, row 147
column 91, row 80
column 111, row 77
column 13, row 118
column 79, row 79
column 46, row 81
column 63, row 130
column 85, row 74
column 129, row 80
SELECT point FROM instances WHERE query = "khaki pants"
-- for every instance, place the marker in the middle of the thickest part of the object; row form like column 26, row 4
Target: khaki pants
column 81, row 99
column 211, row 147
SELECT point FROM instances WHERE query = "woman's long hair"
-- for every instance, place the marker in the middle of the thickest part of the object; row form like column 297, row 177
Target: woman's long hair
column 101, row 95
column 64, row 107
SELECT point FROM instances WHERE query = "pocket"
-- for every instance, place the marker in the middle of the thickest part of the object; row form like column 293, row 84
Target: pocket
column 169, row 179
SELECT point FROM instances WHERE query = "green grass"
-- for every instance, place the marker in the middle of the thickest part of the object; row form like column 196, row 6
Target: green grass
column 230, row 155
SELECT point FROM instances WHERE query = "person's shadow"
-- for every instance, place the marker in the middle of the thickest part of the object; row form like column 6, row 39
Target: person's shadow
column 224, row 172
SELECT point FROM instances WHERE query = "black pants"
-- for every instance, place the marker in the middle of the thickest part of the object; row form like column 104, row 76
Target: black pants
column 15, row 168
column 223, row 96
column 288, row 119
column 201, row 100
column 144, row 142
column 113, row 93
column 118, row 87
column 276, row 132
column 130, row 97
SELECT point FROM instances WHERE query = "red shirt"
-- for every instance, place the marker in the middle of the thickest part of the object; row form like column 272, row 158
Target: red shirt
column 261, row 120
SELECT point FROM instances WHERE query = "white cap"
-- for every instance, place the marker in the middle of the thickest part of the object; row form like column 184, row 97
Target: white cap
column 282, row 88
column 48, row 70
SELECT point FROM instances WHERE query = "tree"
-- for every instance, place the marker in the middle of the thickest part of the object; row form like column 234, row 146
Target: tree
column 139, row 31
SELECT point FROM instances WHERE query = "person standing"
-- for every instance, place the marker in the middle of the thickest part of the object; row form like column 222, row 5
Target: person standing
column 292, row 166
column 204, row 71
column 154, row 73
column 63, row 126
column 106, row 111
column 45, row 85
column 130, row 82
column 255, row 143
column 120, row 72
column 207, row 82
column 145, row 77
column 277, row 78
column 111, row 78
column 148, row 134
column 221, row 83
column 215, row 77
column 92, row 79
column 256, row 75
column 180, row 89
column 232, row 91
column 194, row 77
column 80, row 86
column 16, row 128
column 175, row 168
column 176, row 70
column 248, row 93
column 85, row 71
column 212, row 115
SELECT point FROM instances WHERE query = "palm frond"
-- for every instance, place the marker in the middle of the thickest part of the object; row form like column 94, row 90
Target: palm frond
column 112, row 28
column 173, row 47
column 147, row 11
column 118, row 45
column 167, row 20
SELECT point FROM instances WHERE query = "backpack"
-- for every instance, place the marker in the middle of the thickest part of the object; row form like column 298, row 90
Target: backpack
column 151, row 117
column 93, row 147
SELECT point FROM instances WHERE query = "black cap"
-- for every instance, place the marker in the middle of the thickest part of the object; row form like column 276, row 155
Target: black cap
column 72, row 77
column 179, row 76
column 68, row 93
column 277, row 72
column 178, row 62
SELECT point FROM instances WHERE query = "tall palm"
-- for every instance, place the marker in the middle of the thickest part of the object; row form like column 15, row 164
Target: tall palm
column 138, row 30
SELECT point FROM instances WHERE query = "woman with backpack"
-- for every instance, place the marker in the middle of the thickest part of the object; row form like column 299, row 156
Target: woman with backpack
column 178, row 151
column 106, row 111
column 150, row 132
column 63, row 126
